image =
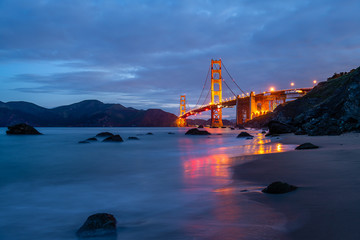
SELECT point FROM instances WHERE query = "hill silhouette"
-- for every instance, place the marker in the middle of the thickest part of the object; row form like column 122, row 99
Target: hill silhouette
column 88, row 113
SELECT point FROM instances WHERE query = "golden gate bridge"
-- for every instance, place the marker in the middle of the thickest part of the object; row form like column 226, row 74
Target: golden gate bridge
column 247, row 105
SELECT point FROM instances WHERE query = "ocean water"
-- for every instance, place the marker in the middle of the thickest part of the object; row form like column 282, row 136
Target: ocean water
column 164, row 186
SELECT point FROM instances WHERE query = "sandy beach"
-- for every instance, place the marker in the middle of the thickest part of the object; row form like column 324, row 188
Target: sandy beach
column 327, row 204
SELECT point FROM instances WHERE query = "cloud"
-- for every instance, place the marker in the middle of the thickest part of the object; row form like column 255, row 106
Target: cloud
column 153, row 51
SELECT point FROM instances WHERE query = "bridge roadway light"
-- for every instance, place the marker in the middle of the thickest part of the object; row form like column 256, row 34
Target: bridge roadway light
column 272, row 89
column 292, row 84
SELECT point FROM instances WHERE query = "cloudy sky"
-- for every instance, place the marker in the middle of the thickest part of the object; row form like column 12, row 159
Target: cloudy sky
column 145, row 54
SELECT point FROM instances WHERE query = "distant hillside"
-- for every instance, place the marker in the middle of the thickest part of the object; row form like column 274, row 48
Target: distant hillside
column 332, row 107
column 88, row 113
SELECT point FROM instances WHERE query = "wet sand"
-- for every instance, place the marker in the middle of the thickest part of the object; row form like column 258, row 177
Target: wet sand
column 327, row 204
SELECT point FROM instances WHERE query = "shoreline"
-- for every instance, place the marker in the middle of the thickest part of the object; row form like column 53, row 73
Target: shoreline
column 326, row 205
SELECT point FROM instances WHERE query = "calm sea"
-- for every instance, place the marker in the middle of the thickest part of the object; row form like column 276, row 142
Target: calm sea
column 163, row 186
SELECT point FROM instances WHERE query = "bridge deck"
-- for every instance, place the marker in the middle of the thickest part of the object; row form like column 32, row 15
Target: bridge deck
column 264, row 96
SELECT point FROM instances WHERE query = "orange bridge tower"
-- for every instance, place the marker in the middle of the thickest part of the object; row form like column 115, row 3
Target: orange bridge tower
column 182, row 120
column 216, row 93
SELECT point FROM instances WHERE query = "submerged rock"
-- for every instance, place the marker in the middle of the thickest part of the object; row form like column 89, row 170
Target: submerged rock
column 84, row 142
column 22, row 129
column 171, row 133
column 278, row 188
column 201, row 126
column 195, row 131
column 306, row 146
column 244, row 135
column 133, row 138
column 98, row 225
column 149, row 133
column 104, row 134
column 114, row 138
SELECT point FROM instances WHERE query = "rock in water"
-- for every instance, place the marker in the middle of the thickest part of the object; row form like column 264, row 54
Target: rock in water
column 133, row 138
column 195, row 131
column 276, row 127
column 96, row 225
column 114, row 138
column 244, row 135
column 104, row 134
column 201, row 126
column 306, row 146
column 91, row 139
column 279, row 187
column 171, row 133
column 22, row 129
column 149, row 133
column 84, row 142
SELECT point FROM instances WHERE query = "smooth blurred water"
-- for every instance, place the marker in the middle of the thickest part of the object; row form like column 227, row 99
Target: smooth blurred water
column 164, row 186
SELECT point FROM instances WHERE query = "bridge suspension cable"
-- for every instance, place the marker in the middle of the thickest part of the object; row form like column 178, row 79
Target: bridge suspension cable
column 232, row 78
column 229, row 87
column 207, row 76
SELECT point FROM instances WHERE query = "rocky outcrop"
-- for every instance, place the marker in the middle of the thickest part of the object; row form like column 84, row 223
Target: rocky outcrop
column 22, row 129
column 195, row 131
column 330, row 108
column 98, row 225
column 278, row 188
column 114, row 138
column 306, row 146
column 244, row 135
column 276, row 127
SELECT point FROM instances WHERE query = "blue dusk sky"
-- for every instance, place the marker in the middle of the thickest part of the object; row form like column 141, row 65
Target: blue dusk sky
column 145, row 54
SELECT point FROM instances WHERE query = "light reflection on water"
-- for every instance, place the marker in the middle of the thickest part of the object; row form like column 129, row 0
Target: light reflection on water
column 216, row 164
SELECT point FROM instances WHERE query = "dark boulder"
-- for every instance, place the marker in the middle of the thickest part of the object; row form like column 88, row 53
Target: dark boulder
column 171, row 133
column 133, row 138
column 114, row 138
column 98, row 225
column 149, row 133
column 91, row 139
column 232, row 128
column 306, row 146
column 22, row 129
column 84, row 142
column 276, row 127
column 195, row 131
column 201, row 126
column 278, row 188
column 104, row 134
column 244, row 135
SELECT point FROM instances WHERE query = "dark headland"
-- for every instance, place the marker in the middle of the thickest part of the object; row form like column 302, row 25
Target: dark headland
column 331, row 108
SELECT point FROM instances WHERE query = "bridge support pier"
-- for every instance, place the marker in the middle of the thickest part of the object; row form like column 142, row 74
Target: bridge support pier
column 216, row 117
